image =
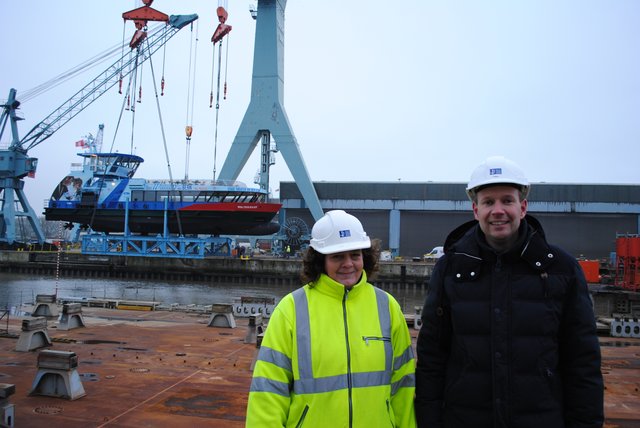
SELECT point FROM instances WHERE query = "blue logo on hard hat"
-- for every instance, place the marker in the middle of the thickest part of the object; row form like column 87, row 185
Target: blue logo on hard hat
column 495, row 171
column 344, row 233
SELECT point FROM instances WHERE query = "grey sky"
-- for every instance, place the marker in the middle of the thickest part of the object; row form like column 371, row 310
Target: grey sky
column 417, row 90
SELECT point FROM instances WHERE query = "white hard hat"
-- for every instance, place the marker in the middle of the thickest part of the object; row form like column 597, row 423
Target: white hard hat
column 338, row 231
column 497, row 170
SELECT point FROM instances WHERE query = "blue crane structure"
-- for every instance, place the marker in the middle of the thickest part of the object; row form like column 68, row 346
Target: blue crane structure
column 15, row 163
column 266, row 116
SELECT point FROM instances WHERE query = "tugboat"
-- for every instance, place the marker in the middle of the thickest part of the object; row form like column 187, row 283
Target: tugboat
column 105, row 193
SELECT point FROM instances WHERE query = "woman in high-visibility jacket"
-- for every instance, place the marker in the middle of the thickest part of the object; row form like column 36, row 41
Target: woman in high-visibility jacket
column 337, row 352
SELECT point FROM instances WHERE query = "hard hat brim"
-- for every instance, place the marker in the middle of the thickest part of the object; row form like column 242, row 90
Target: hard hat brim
column 340, row 248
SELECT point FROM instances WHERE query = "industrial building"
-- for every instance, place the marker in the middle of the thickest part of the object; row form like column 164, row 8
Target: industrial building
column 412, row 218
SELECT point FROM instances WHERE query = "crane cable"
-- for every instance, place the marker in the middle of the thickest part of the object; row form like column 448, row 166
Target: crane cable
column 106, row 55
column 124, row 26
column 164, row 139
column 226, row 67
column 132, row 103
column 69, row 74
column 191, row 87
column 164, row 59
column 101, row 183
column 125, row 101
column 215, row 138
column 164, row 142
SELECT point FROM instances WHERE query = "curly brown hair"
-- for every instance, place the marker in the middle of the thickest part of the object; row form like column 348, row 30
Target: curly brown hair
column 313, row 262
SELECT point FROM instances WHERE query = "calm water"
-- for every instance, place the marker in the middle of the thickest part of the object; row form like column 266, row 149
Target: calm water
column 18, row 289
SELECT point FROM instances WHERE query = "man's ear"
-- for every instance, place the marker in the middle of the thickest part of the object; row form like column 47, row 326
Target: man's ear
column 523, row 208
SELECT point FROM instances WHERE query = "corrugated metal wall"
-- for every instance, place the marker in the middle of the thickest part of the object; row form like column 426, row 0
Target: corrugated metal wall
column 587, row 234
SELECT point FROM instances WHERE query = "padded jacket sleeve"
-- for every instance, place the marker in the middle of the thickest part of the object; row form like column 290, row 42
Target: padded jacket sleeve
column 580, row 358
column 433, row 348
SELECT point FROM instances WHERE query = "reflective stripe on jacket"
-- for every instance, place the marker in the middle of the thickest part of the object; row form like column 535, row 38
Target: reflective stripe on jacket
column 332, row 357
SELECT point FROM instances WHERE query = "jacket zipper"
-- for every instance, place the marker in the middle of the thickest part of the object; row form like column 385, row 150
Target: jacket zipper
column 346, row 334
column 393, row 425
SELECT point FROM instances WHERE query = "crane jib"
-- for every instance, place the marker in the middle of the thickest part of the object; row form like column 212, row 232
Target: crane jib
column 100, row 84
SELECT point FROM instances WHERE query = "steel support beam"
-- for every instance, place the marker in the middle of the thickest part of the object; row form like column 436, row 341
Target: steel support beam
column 266, row 112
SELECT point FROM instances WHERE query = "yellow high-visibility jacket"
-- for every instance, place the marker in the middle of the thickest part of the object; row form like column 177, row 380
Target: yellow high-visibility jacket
column 333, row 357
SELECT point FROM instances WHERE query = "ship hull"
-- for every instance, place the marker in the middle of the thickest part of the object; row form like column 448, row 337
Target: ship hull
column 216, row 219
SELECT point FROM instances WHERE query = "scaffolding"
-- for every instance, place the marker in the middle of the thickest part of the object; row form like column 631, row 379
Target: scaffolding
column 165, row 245
column 628, row 262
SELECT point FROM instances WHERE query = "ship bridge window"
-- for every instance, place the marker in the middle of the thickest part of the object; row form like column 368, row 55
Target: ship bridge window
column 148, row 196
column 241, row 197
column 210, row 197
column 203, row 197
column 230, row 197
column 189, row 196
column 137, row 195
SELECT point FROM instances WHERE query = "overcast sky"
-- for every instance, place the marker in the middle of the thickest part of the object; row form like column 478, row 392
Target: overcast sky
column 416, row 91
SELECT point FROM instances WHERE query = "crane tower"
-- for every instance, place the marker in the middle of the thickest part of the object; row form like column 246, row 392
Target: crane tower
column 266, row 115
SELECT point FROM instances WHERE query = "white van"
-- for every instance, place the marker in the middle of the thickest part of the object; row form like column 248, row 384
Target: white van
column 434, row 254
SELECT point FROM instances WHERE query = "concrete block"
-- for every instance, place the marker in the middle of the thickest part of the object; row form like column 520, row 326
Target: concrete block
column 34, row 335
column 58, row 376
column 417, row 320
column 222, row 316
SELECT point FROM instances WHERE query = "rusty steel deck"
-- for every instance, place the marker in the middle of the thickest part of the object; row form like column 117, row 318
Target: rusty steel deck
column 161, row 368
column 138, row 369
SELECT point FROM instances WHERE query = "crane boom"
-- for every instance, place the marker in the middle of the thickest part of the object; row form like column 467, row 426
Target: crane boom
column 102, row 83
column 15, row 164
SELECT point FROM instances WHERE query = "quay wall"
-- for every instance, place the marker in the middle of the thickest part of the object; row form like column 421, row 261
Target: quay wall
column 255, row 270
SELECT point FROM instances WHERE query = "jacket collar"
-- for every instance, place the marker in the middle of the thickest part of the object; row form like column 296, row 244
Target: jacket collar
column 328, row 286
column 531, row 246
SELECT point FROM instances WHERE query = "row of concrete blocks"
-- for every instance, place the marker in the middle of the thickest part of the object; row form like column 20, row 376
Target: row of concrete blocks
column 625, row 327
column 71, row 317
column 34, row 334
column 58, row 375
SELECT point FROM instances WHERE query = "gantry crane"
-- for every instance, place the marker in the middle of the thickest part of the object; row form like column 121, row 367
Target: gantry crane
column 15, row 163
column 266, row 115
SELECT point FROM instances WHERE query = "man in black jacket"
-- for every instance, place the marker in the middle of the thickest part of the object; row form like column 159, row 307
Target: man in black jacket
column 508, row 335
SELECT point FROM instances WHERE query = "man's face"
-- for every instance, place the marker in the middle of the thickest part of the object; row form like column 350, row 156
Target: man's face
column 499, row 211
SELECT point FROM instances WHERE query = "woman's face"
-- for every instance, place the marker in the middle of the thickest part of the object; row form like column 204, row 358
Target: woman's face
column 345, row 268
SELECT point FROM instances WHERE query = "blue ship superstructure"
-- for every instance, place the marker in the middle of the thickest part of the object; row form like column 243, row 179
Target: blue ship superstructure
column 105, row 191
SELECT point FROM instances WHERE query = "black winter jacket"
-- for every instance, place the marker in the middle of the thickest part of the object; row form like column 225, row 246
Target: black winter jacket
column 508, row 340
